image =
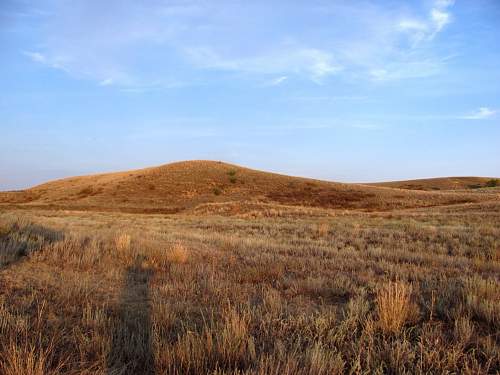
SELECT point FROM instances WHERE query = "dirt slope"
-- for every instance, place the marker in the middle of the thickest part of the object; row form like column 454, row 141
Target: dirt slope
column 185, row 185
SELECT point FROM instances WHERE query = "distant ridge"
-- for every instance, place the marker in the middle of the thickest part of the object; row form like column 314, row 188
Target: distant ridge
column 439, row 183
column 183, row 186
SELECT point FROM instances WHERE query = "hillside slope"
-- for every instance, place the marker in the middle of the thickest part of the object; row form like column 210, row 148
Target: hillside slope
column 185, row 185
column 440, row 183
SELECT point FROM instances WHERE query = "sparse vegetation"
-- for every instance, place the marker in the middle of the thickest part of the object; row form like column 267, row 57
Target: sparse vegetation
column 444, row 183
column 293, row 290
column 86, row 191
column 492, row 183
column 232, row 176
column 183, row 186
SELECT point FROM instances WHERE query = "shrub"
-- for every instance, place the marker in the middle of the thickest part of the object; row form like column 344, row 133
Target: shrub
column 217, row 191
column 491, row 183
column 393, row 306
column 474, row 186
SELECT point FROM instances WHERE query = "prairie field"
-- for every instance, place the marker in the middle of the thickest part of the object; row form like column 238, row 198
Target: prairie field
column 269, row 290
column 249, row 187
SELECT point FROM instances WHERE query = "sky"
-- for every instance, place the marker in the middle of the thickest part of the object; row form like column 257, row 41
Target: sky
column 351, row 91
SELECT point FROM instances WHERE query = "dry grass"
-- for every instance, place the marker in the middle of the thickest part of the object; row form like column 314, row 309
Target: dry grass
column 394, row 306
column 122, row 242
column 305, row 291
column 440, row 183
column 183, row 186
column 178, row 254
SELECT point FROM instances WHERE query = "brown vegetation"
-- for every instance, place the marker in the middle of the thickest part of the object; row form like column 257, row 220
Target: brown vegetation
column 264, row 289
column 184, row 186
column 218, row 269
column 393, row 306
column 442, row 183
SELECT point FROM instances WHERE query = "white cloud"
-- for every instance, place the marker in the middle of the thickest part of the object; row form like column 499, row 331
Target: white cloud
column 407, row 69
column 327, row 98
column 36, row 57
column 440, row 15
column 54, row 62
column 426, row 29
column 413, row 25
column 440, row 19
column 106, row 82
column 278, row 81
column 482, row 113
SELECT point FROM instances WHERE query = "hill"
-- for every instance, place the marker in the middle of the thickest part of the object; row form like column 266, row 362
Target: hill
column 183, row 186
column 440, row 183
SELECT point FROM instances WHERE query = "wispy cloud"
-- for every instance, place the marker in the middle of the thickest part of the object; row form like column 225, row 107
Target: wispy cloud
column 138, row 44
column 366, row 126
column 482, row 113
column 419, row 68
column 440, row 14
column 54, row 62
column 277, row 81
column 36, row 56
column 106, row 82
column 310, row 62
column 327, row 98
column 426, row 29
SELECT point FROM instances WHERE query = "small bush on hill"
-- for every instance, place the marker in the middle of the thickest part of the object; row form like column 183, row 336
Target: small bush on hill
column 492, row 183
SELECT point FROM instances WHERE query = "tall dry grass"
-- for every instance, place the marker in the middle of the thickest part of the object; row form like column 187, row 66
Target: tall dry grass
column 250, row 295
column 394, row 307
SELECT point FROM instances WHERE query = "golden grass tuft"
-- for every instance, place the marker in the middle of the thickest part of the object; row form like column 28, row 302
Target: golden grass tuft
column 322, row 229
column 27, row 360
column 178, row 254
column 393, row 306
column 122, row 242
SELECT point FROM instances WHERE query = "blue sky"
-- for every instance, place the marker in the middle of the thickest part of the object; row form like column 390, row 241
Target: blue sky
column 339, row 90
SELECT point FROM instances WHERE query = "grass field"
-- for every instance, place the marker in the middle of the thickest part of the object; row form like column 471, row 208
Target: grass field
column 251, row 289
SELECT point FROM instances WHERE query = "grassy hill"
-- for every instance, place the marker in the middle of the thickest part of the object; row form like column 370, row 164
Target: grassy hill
column 186, row 185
